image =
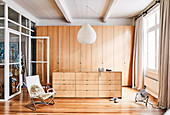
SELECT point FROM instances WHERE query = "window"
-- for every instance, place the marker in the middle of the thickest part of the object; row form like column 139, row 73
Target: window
column 151, row 39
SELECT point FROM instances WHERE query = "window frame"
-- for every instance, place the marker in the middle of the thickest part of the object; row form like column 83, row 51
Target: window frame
column 147, row 30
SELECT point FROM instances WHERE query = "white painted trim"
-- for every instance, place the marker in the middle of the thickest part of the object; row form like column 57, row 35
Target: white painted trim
column 20, row 10
column 39, row 62
column 109, row 9
column 30, row 61
column 63, row 8
column 80, row 22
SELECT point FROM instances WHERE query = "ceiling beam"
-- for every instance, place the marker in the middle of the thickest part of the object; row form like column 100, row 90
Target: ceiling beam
column 63, row 8
column 109, row 10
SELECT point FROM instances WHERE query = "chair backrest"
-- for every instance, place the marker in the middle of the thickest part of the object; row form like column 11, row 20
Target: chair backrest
column 33, row 81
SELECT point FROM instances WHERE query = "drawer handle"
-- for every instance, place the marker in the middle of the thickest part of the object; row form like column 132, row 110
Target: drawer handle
column 86, row 80
column 109, row 80
column 109, row 90
column 63, row 84
column 63, row 79
column 63, row 90
column 86, row 84
column 109, row 84
column 86, row 90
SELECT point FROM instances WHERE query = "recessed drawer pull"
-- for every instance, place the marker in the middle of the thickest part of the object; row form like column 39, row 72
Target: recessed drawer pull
column 109, row 84
column 63, row 90
column 109, row 90
column 86, row 90
column 109, row 80
column 86, row 80
column 63, row 79
column 86, row 84
column 63, row 84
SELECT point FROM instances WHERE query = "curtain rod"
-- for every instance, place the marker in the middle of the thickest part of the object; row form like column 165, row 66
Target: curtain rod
column 146, row 11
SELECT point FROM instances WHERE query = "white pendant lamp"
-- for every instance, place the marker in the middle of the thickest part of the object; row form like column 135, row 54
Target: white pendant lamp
column 86, row 35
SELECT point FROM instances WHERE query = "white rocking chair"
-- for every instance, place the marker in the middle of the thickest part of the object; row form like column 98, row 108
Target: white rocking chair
column 36, row 91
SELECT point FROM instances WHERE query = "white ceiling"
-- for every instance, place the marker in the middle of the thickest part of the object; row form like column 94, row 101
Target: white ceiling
column 48, row 9
column 42, row 9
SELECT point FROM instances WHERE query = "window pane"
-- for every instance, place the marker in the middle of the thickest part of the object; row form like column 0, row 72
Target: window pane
column 13, row 78
column 1, row 10
column 1, row 46
column 158, row 15
column 151, row 20
column 14, row 48
column 25, row 31
column 1, row 23
column 25, row 22
column 151, row 50
column 13, row 15
column 2, row 82
column 13, row 26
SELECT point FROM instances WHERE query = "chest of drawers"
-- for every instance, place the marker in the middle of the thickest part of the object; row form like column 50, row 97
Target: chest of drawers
column 87, row 84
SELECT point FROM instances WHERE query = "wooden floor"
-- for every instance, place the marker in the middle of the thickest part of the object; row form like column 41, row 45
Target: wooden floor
column 126, row 106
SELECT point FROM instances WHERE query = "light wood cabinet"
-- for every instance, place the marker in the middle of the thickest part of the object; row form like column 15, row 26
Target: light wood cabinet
column 112, row 49
column 64, row 84
column 87, row 84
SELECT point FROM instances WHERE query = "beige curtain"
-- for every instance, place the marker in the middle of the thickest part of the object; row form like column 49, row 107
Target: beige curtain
column 164, row 55
column 137, row 67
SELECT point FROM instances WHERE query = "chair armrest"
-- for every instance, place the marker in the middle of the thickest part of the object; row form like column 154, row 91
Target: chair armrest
column 50, row 90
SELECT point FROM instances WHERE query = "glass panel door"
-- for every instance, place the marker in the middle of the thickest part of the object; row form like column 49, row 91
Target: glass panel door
column 14, row 63
column 39, row 58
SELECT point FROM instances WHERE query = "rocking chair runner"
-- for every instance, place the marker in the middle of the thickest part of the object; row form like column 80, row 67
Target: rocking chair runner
column 36, row 92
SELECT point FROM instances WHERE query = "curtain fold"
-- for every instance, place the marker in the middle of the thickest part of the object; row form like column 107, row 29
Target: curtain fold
column 164, row 55
column 137, row 67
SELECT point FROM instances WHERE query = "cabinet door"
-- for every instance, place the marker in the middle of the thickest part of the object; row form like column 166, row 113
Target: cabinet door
column 97, row 48
column 122, row 52
column 54, row 54
column 128, row 47
column 64, row 48
column 108, row 47
column 74, row 48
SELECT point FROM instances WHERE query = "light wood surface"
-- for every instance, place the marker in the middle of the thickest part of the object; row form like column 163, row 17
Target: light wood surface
column 97, row 48
column 108, row 46
column 54, row 47
column 85, row 83
column 113, row 48
column 86, row 57
column 74, row 48
column 83, row 106
column 64, row 47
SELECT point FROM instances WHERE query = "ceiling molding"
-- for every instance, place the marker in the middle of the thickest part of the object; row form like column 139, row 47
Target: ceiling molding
column 109, row 9
column 64, row 10
column 80, row 22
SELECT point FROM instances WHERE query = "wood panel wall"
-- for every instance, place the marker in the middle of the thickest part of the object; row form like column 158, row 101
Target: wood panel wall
column 112, row 49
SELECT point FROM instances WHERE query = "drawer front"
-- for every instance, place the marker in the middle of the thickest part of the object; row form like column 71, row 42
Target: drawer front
column 87, row 77
column 87, row 93
column 109, row 76
column 110, row 93
column 110, row 82
column 67, row 76
column 110, row 87
column 87, row 87
column 63, row 82
column 65, row 94
column 64, row 87
column 87, row 82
